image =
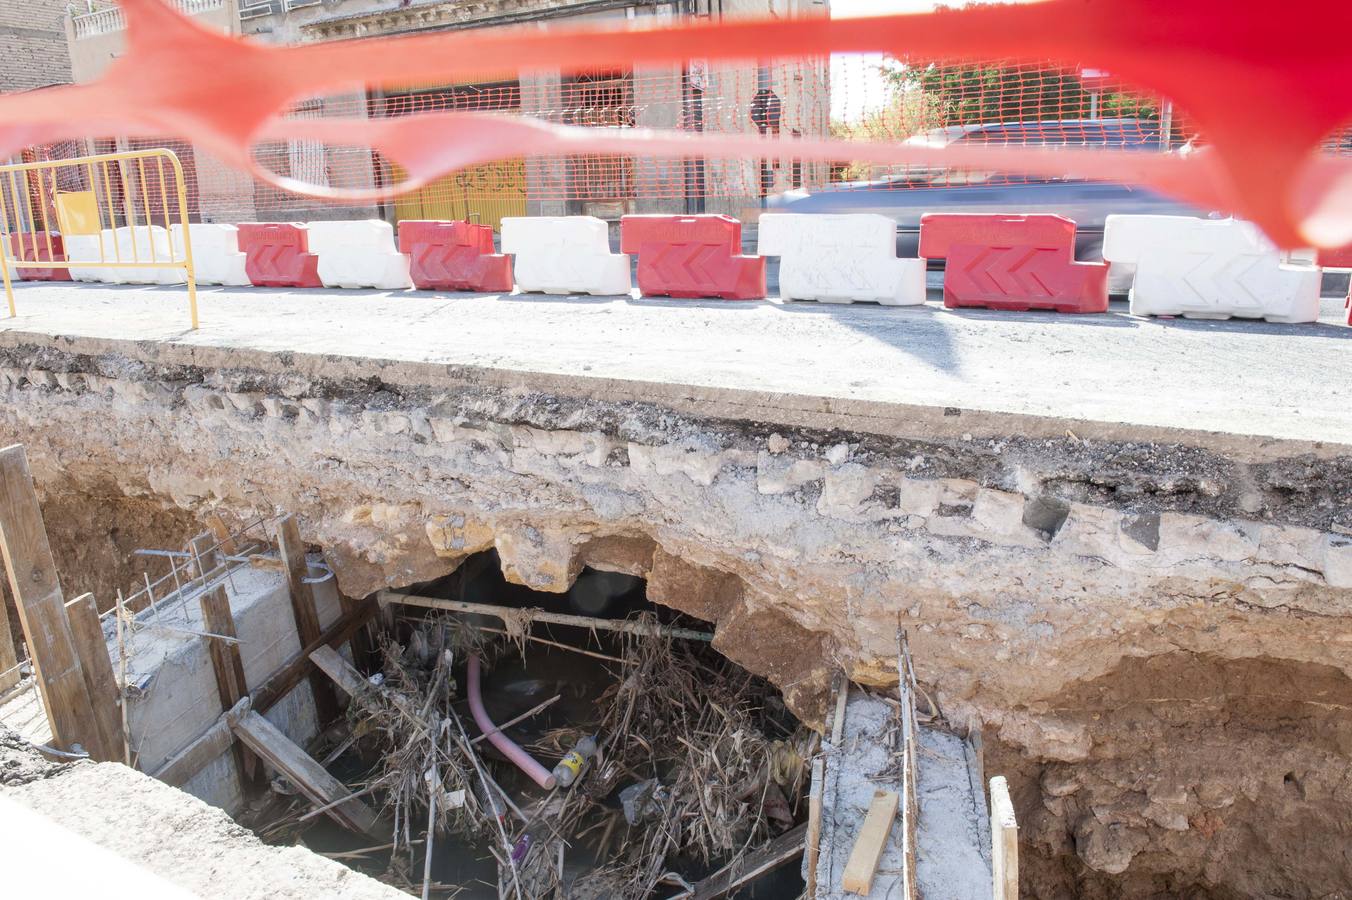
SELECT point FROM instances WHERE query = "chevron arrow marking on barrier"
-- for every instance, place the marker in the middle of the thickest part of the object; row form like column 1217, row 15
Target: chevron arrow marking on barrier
column 685, row 267
column 844, row 265
column 1221, row 279
column 1016, row 272
column 664, row 267
column 699, row 264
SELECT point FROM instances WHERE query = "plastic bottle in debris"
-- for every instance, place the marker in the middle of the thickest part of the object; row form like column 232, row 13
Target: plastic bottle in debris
column 573, row 762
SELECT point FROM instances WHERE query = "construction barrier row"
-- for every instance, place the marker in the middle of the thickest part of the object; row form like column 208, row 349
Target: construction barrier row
column 1198, row 268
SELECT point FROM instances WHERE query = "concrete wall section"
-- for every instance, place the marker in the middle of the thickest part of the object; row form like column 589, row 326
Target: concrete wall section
column 176, row 698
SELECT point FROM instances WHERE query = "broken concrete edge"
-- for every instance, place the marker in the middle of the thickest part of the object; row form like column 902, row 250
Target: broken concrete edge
column 162, row 831
column 174, row 361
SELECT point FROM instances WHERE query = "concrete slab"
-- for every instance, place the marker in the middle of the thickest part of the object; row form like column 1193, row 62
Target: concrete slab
column 951, row 838
column 853, row 773
column 174, row 697
column 950, row 864
column 94, row 829
column 1110, row 374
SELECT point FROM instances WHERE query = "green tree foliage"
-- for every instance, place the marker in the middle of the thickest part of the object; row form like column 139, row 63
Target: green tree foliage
column 968, row 94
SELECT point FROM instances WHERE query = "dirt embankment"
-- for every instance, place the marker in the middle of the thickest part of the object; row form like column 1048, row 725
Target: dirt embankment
column 93, row 531
column 1206, row 778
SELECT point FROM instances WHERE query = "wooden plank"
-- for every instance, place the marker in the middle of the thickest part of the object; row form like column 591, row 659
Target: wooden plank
column 306, row 612
column 207, row 562
column 207, row 746
column 42, row 608
column 9, row 653
column 304, row 772
column 361, row 641
column 868, row 846
column 97, row 666
column 1004, row 842
column 774, row 854
column 840, row 688
column 343, row 673
column 296, row 668
column 221, row 534
column 229, row 667
column 510, row 614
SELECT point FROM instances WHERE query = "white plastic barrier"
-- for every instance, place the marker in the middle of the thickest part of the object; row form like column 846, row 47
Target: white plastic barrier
column 359, row 254
column 140, row 243
column 841, row 259
column 83, row 248
column 216, row 257
column 1210, row 269
column 564, row 255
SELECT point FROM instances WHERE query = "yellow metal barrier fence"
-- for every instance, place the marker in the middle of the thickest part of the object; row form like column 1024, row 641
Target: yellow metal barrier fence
column 107, row 211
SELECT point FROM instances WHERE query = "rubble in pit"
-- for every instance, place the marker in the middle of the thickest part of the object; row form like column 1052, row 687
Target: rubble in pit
column 673, row 763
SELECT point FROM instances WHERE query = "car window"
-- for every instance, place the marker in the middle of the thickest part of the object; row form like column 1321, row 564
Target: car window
column 1117, row 135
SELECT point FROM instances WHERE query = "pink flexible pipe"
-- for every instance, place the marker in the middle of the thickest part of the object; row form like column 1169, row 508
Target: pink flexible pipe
column 523, row 760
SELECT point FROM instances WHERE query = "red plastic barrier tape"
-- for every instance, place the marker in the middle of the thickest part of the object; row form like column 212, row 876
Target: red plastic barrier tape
column 1265, row 85
column 692, row 256
column 454, row 256
column 278, row 255
column 1013, row 262
column 29, row 247
column 1336, row 258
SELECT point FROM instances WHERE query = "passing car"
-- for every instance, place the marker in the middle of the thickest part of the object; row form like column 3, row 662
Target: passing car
column 907, row 197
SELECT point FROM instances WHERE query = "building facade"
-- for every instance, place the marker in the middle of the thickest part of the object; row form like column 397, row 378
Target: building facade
column 781, row 98
column 33, row 45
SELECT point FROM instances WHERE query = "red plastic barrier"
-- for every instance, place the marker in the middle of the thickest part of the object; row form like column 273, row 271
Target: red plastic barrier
column 28, row 247
column 692, row 256
column 277, row 254
column 1013, row 262
column 1339, row 258
column 454, row 256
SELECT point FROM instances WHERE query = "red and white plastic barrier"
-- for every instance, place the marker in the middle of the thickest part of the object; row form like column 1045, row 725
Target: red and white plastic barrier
column 359, row 254
column 1209, row 269
column 216, row 257
column 565, row 255
column 277, row 254
column 840, row 259
column 1013, row 262
column 42, row 246
column 692, row 256
column 454, row 256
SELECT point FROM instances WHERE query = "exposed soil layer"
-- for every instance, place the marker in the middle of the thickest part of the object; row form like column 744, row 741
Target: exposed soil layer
column 94, row 531
column 1206, row 778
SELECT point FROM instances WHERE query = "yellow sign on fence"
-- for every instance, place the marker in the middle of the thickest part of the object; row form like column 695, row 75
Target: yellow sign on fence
column 119, row 217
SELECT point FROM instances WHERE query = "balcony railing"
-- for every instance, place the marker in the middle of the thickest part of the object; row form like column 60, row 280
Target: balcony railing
column 108, row 20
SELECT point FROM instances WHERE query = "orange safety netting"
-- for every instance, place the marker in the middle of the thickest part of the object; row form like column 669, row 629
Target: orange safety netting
column 1267, row 91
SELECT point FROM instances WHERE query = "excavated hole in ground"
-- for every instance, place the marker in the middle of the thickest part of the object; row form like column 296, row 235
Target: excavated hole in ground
column 1249, row 754
column 691, row 745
